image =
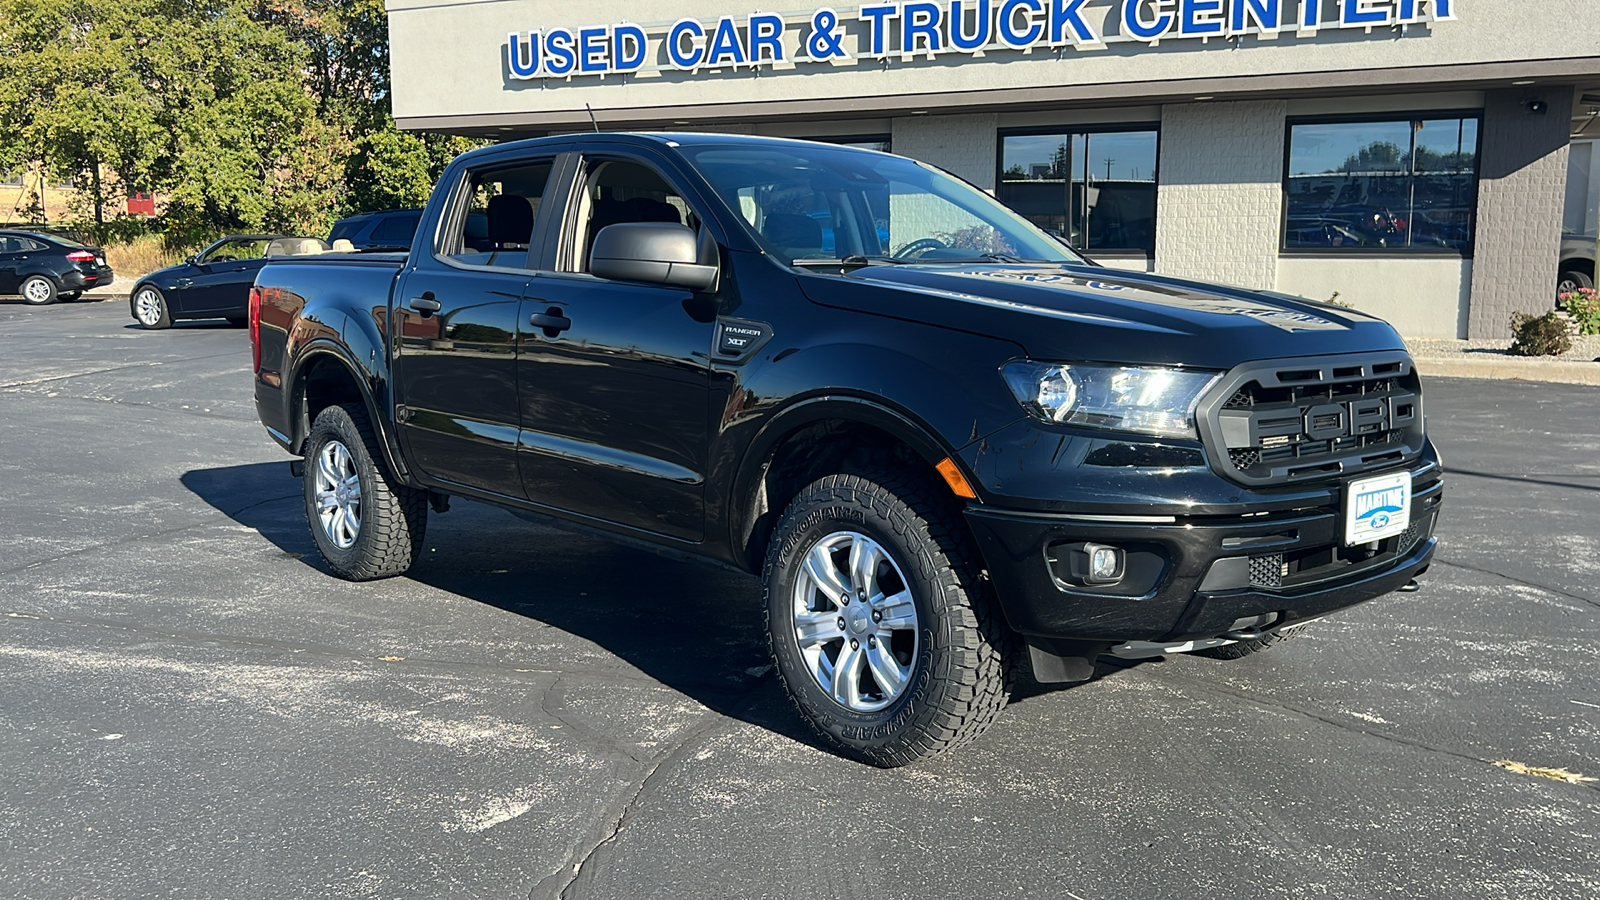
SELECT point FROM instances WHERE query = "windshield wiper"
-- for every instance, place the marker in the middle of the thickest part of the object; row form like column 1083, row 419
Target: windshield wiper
column 850, row 262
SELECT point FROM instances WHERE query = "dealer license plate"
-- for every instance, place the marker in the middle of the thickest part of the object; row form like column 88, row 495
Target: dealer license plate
column 1376, row 508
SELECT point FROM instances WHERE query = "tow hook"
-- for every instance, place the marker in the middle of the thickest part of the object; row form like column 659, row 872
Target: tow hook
column 1410, row 587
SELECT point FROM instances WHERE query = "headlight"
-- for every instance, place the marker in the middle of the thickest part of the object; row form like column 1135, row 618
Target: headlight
column 1158, row 401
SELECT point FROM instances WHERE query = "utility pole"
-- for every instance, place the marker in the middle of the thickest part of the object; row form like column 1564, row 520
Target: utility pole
column 1109, row 161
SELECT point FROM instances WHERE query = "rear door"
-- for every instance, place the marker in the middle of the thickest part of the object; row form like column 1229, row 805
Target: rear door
column 616, row 405
column 456, row 313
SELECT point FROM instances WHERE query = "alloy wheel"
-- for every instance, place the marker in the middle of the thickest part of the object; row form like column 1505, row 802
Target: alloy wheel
column 855, row 621
column 148, row 307
column 37, row 290
column 338, row 495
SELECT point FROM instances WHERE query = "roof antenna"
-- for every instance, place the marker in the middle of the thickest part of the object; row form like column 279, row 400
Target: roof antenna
column 592, row 120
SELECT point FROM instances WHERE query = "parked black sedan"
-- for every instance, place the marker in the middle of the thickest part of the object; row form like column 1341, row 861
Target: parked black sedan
column 214, row 283
column 44, row 268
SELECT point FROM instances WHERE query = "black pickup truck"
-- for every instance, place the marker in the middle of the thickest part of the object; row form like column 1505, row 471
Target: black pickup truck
column 953, row 450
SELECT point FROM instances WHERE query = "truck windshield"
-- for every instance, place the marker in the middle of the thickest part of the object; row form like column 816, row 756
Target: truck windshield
column 819, row 202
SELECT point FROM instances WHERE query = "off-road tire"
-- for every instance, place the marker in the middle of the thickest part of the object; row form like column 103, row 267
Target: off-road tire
column 957, row 684
column 394, row 517
column 37, row 290
column 1241, row 649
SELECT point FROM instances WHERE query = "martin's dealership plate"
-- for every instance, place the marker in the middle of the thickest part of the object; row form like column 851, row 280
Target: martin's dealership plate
column 1376, row 508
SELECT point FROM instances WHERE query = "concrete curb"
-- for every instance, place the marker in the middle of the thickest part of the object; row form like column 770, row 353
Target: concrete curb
column 1558, row 371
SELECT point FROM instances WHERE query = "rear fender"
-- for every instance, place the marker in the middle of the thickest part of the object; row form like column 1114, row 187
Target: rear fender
column 321, row 350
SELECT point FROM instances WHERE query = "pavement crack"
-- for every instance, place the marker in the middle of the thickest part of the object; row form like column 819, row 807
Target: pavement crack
column 1533, row 584
column 559, row 884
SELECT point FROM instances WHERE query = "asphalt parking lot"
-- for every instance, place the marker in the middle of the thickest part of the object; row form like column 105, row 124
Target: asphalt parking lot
column 191, row 707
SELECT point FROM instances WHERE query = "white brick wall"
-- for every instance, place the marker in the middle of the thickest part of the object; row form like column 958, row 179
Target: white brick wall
column 962, row 145
column 1220, row 192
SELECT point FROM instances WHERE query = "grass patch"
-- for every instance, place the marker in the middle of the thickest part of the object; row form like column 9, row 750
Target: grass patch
column 1544, row 772
column 141, row 256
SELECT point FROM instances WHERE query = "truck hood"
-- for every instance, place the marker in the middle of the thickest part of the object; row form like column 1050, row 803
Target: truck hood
column 1088, row 313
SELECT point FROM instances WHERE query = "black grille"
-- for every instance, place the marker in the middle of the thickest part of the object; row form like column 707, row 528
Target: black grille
column 1317, row 418
column 1266, row 571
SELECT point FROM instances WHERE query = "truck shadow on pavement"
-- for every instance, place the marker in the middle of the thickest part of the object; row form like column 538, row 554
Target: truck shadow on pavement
column 694, row 627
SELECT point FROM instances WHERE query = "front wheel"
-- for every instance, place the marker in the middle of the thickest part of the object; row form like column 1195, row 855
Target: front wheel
column 1573, row 280
column 366, row 526
column 39, row 290
column 150, row 307
column 880, row 627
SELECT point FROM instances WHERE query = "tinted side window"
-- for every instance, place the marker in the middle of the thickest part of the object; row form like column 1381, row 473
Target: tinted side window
column 501, row 206
column 396, row 231
column 344, row 229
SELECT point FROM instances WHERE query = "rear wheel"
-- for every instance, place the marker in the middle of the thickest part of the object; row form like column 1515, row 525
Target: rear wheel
column 365, row 525
column 150, row 307
column 1241, row 649
column 881, row 629
column 39, row 290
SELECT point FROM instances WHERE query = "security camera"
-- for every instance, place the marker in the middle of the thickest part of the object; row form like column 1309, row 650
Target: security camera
column 1537, row 107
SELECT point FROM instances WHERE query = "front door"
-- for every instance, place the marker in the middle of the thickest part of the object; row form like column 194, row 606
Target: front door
column 220, row 282
column 615, row 376
column 455, row 322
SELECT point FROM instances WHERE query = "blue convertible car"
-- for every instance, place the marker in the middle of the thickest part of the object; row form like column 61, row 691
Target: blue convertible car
column 214, row 283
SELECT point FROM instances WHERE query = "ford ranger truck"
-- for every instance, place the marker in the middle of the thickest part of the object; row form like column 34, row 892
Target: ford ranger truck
column 953, row 450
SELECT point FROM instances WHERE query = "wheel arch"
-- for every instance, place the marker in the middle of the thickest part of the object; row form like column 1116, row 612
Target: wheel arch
column 813, row 438
column 325, row 375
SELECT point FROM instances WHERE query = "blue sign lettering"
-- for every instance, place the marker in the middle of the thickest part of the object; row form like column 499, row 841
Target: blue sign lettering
column 1029, row 12
column 907, row 29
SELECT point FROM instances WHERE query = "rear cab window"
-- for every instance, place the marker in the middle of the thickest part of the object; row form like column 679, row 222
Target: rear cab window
column 492, row 221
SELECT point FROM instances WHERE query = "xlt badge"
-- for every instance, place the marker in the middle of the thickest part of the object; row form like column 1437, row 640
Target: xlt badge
column 739, row 339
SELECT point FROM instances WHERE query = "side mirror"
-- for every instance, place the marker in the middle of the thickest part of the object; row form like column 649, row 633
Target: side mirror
column 192, row 259
column 657, row 252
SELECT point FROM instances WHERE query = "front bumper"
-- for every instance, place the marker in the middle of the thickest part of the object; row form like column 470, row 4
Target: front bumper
column 1198, row 577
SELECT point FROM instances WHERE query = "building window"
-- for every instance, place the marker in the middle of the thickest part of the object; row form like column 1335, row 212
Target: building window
column 1094, row 189
column 878, row 142
column 1376, row 186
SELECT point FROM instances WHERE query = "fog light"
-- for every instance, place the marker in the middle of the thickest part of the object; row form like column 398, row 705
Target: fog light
column 1105, row 563
column 1097, row 564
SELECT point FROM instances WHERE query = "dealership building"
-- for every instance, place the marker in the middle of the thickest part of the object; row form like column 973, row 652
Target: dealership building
column 1418, row 159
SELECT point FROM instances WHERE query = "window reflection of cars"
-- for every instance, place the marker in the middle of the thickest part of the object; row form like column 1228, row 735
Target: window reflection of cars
column 1325, row 232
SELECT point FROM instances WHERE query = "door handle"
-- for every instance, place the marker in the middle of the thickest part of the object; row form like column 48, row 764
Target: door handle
column 551, row 320
column 425, row 304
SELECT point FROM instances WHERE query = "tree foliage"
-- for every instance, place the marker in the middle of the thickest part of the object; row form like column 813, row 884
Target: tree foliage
column 244, row 115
